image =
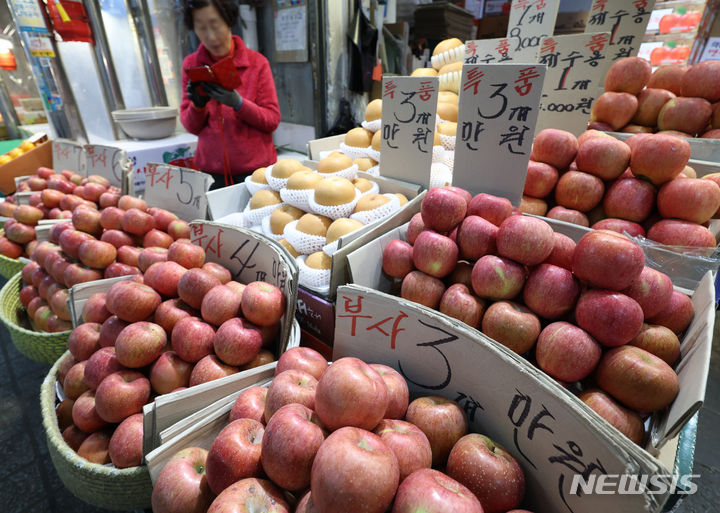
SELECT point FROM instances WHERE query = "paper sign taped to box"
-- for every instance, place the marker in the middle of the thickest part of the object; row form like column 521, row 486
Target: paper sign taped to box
column 573, row 79
column 498, row 110
column 69, row 155
column 553, row 437
column 177, row 189
column 108, row 162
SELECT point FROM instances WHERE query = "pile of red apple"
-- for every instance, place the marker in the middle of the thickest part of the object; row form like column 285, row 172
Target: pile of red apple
column 54, row 197
column 331, row 439
column 187, row 324
column 591, row 312
column 643, row 186
column 124, row 238
column 676, row 99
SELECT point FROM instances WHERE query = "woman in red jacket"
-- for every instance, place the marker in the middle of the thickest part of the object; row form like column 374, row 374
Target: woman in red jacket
column 234, row 127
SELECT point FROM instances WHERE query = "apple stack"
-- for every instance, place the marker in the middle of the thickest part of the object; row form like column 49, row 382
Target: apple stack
column 54, row 196
column 643, row 186
column 675, row 99
column 333, row 439
column 588, row 308
column 94, row 245
column 133, row 346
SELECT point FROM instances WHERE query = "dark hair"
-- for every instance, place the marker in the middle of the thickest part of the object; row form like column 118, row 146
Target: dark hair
column 227, row 9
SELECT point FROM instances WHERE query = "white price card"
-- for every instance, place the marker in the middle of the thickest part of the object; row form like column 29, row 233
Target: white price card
column 108, row 162
column 530, row 21
column 574, row 78
column 489, row 51
column 69, row 155
column 408, row 127
column 556, row 439
column 625, row 20
column 177, row 189
column 498, row 110
column 712, row 50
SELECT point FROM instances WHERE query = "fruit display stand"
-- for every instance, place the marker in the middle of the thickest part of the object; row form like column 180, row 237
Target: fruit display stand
column 103, row 486
column 38, row 346
column 552, row 432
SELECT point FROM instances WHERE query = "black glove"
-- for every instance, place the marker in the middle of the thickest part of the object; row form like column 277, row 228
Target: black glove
column 194, row 95
column 227, row 97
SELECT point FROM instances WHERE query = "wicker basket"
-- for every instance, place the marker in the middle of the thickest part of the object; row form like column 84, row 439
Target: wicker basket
column 100, row 485
column 9, row 267
column 38, row 346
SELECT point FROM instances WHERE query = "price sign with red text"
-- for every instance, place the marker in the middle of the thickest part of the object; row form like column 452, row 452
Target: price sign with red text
column 106, row 161
column 625, row 20
column 555, row 438
column 177, row 189
column 250, row 256
column 408, row 127
column 69, row 155
column 575, row 73
column 497, row 113
column 530, row 21
column 489, row 51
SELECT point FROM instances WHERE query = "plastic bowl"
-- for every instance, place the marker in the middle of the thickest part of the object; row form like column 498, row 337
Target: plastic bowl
column 147, row 123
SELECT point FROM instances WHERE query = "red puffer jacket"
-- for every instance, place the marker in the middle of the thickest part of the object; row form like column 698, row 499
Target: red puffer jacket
column 246, row 135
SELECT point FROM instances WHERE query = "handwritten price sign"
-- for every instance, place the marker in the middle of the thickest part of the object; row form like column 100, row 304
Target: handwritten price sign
column 553, row 436
column 178, row 190
column 111, row 163
column 498, row 110
column 489, row 51
column 530, row 22
column 249, row 256
column 575, row 72
column 625, row 20
column 408, row 127
column 69, row 155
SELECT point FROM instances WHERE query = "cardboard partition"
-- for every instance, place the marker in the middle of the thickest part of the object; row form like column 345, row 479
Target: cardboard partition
column 704, row 167
column 180, row 190
column 80, row 293
column 25, row 164
column 42, row 230
column 706, row 150
column 70, row 155
column 507, row 397
column 233, row 199
column 326, row 144
column 108, row 162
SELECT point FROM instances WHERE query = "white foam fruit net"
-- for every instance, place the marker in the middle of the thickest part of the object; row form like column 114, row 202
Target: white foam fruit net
column 334, row 211
column 448, row 57
column 354, row 152
column 438, row 153
column 304, row 243
column 254, row 187
column 373, row 125
column 373, row 190
column 440, row 175
column 370, row 216
column 349, row 172
column 317, row 279
column 255, row 215
column 298, row 198
column 448, row 142
column 234, row 219
column 450, row 81
column 265, row 223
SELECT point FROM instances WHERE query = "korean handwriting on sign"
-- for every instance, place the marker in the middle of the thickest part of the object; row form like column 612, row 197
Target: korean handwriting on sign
column 533, row 423
column 532, row 14
column 412, row 112
column 211, row 243
column 620, row 22
column 97, row 157
column 153, row 176
column 554, row 59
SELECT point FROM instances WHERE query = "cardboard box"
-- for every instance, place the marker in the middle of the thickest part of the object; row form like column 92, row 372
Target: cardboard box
column 25, row 164
column 326, row 144
column 551, row 432
column 316, row 316
column 490, row 27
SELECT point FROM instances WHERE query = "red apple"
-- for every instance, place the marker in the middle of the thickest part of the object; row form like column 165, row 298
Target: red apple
column 129, row 255
column 526, row 240
column 94, row 309
column 567, row 352
column 235, row 454
column 476, row 237
column 290, row 386
column 137, row 222
column 194, row 284
column 397, row 260
column 186, row 254
column 156, row 238
column 491, row 208
column 675, row 232
column 624, row 420
column 302, row 358
column 95, row 447
column 568, row 215
column 659, row 158
column 540, row 179
column 677, row 315
column 74, row 383
column 85, row 415
column 250, row 495
column 84, row 340
column 415, row 227
column 351, row 393
column 164, row 277
column 354, row 471
column 210, row 368
column 111, row 328
column 220, row 304
column 63, row 412
column 250, row 404
column 117, row 238
column 192, row 339
column 614, row 109
column 179, row 229
column 496, row 277
column 489, row 471
column 262, row 303
column 170, row 312
column 409, row 444
column 181, row 486
column 607, row 260
column 132, row 301
column 237, row 342
column 121, row 394
column 442, row 209
column 636, row 378
column 512, row 325
column 652, row 290
column 551, row 291
column 140, row 344
column 169, row 372
column 398, row 394
column 100, row 365
column 74, row 437
column 126, row 442
column 612, row 318
column 555, row 147
column 431, row 491
column 690, row 199
column 150, row 256
column 422, row 288
column 701, row 80
column 660, row 341
column 443, row 421
column 460, row 303
column 220, row 272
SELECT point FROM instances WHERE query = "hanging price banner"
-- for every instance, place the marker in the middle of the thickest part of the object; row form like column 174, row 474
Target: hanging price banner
column 498, row 110
column 408, row 127
column 530, row 21
column 625, row 20
column 106, row 161
column 177, row 189
column 555, row 438
column 69, row 155
column 575, row 73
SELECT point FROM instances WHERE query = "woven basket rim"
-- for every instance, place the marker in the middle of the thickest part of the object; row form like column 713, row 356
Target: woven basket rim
column 7, row 288
column 54, row 436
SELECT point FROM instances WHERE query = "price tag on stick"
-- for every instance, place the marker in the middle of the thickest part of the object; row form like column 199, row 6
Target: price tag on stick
column 177, row 189
column 69, row 155
column 408, row 127
column 625, row 20
column 530, row 21
column 498, row 110
column 108, row 162
column 575, row 73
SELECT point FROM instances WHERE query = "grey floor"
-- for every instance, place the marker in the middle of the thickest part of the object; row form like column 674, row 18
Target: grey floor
column 29, row 483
